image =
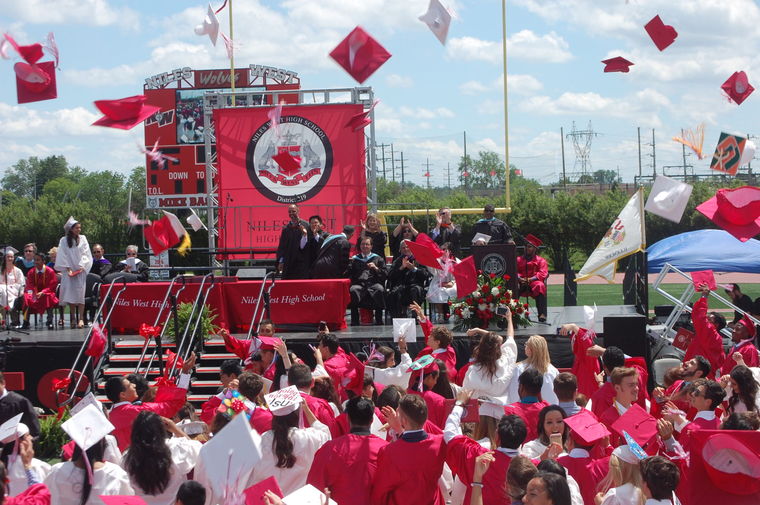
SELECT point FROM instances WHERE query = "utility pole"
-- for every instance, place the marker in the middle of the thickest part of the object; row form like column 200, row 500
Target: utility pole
column 683, row 153
column 448, row 174
column 402, row 168
column 654, row 158
column 393, row 164
column 427, row 171
column 562, row 140
column 382, row 149
column 638, row 131
column 464, row 179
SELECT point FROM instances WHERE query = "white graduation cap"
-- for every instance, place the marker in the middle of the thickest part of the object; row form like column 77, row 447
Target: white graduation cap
column 307, row 495
column 9, row 249
column 195, row 221
column 9, row 429
column 749, row 152
column 88, row 399
column 481, row 236
column 209, row 26
column 438, row 20
column 284, row 401
column 227, row 459
column 404, row 327
column 668, row 198
column 589, row 317
column 190, row 428
column 69, row 224
column 88, row 427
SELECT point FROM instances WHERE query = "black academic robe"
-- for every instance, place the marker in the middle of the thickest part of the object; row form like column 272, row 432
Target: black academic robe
column 101, row 268
column 332, row 259
column 289, row 252
column 450, row 234
column 379, row 238
column 313, row 245
column 367, row 285
column 12, row 404
column 498, row 230
column 405, row 286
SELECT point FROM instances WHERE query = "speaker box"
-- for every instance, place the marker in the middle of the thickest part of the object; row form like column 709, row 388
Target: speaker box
column 628, row 332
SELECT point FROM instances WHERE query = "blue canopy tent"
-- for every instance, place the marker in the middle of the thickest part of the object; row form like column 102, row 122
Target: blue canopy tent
column 705, row 250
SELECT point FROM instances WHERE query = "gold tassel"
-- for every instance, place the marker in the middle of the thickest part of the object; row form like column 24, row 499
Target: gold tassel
column 184, row 247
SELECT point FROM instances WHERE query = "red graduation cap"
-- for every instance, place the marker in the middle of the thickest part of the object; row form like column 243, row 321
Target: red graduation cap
column 359, row 121
column 661, row 34
column 704, row 277
column 122, row 500
column 30, row 54
column 289, row 165
column 425, row 251
column 747, row 322
column 639, row 424
column 737, row 87
column 617, row 64
column 359, row 54
column 724, row 467
column 354, row 377
column 268, row 343
column 254, row 495
column 97, row 345
column 735, row 210
column 164, row 233
column 35, row 83
column 533, row 240
column 124, row 113
column 585, row 429
column 466, row 276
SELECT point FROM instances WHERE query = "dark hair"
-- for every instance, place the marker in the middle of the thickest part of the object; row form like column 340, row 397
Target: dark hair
column 442, row 384
column 565, row 386
column 748, row 421
column 512, row 431
column 300, row 376
column 40, row 255
column 4, row 478
column 360, row 411
column 488, row 353
column 230, row 367
column 612, row 358
column 703, row 364
column 325, row 389
column 348, row 229
column 114, row 388
column 390, row 396
column 747, row 388
column 714, row 393
column 72, row 239
column 542, row 418
column 415, row 408
column 282, row 445
column 280, row 371
column 187, row 412
column 521, row 469
column 250, row 385
column 140, row 382
column 489, row 208
column 661, row 476
column 386, row 352
column 94, row 454
column 551, row 466
column 191, row 493
column 317, row 217
column 149, row 460
column 531, row 381
column 442, row 335
column 218, row 423
column 556, row 487
column 329, row 340
column 368, row 381
column 720, row 321
column 266, row 322
column 366, row 237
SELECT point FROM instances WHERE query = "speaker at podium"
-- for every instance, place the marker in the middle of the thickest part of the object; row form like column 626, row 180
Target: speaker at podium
column 498, row 259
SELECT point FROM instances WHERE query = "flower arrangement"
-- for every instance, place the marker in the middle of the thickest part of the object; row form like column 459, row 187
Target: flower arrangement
column 478, row 309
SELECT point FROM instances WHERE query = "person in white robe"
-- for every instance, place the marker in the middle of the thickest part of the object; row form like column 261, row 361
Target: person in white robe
column 536, row 357
column 74, row 261
column 22, row 459
column 623, row 482
column 385, row 370
column 12, row 282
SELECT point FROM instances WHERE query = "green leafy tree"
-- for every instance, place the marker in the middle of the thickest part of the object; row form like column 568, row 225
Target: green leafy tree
column 28, row 177
column 486, row 172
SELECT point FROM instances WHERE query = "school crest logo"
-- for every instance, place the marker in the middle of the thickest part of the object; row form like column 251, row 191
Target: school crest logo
column 615, row 235
column 493, row 263
column 305, row 174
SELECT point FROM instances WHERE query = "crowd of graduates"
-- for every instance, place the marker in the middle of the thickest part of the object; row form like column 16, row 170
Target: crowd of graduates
column 380, row 430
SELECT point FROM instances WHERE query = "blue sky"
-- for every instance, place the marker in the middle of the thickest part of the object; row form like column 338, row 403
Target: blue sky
column 430, row 93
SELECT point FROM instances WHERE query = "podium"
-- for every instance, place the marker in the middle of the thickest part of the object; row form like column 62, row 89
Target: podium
column 498, row 259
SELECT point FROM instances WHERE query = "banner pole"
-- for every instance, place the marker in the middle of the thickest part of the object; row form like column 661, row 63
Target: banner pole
column 232, row 57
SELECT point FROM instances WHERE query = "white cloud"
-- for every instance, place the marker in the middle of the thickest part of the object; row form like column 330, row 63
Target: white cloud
column 80, row 12
column 21, row 122
column 473, row 88
column 398, row 81
column 525, row 44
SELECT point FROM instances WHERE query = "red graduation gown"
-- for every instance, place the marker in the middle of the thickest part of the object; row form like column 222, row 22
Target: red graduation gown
column 603, row 398
column 707, row 341
column 748, row 352
column 607, row 418
column 585, row 367
column 37, row 494
column 347, row 465
column 534, row 267
column 242, row 349
column 529, row 413
column 436, row 405
column 587, row 472
column 448, row 355
column 461, row 452
column 408, row 472
column 123, row 416
column 261, row 420
column 42, row 287
column 321, row 410
column 697, row 424
column 337, row 368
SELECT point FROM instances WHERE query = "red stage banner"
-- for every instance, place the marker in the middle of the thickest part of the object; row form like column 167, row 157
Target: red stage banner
column 254, row 191
column 291, row 302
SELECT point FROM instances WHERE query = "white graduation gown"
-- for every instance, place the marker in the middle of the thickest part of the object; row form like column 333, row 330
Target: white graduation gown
column 78, row 257
column 17, row 475
column 11, row 286
column 547, row 388
column 627, row 494
column 396, row 375
column 493, row 389
column 65, row 482
column 184, row 458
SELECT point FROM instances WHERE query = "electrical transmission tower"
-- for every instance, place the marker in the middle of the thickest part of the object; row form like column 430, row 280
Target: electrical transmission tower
column 582, row 145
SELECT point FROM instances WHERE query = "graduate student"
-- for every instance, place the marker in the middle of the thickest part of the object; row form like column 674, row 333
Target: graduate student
column 437, row 342
column 660, row 478
column 626, row 384
column 530, row 404
column 588, row 472
column 705, row 398
column 707, row 340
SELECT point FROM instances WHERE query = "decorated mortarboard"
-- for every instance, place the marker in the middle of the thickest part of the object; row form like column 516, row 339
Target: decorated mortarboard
column 466, row 276
column 359, row 121
column 668, row 198
column 88, row 427
column 307, row 495
column 617, row 64
column 728, row 153
column 481, row 237
column 735, row 210
column 661, row 34
column 630, row 452
column 124, row 113
column 9, row 429
column 425, row 250
column 404, row 327
column 533, row 240
column 122, row 499
column 289, row 164
column 228, row 458
column 284, row 401
column 359, row 54
column 585, row 428
column 254, row 495
column 421, row 363
column 209, row 26
column 704, row 277
column 233, row 403
column 737, row 87
column 438, row 20
column 639, row 424
column 69, row 224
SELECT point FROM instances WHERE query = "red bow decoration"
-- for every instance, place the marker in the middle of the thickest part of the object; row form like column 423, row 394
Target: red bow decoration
column 171, row 357
column 238, row 406
column 149, row 331
column 59, row 384
column 163, row 381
